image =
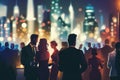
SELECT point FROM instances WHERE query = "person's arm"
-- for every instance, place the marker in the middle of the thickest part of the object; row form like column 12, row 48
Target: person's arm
column 24, row 57
column 60, row 63
column 83, row 62
column 109, row 61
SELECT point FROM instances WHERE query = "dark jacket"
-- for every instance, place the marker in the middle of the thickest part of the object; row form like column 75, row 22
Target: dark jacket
column 27, row 57
column 72, row 63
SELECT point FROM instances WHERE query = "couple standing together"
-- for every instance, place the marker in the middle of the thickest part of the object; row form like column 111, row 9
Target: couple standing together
column 31, row 57
column 71, row 60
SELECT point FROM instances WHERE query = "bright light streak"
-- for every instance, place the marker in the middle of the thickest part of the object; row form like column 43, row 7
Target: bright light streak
column 83, row 38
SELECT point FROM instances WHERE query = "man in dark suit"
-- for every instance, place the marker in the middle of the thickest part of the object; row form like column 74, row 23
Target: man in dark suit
column 117, row 60
column 28, row 58
column 72, row 61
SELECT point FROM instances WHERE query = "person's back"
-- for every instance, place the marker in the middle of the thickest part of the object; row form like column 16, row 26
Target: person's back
column 71, row 58
column 72, row 61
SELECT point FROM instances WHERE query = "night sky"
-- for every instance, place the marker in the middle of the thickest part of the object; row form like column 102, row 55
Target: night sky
column 107, row 6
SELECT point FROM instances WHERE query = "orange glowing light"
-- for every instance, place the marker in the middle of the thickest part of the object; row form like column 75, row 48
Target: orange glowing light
column 107, row 30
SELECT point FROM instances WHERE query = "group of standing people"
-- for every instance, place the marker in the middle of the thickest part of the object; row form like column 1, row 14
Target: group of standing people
column 104, row 62
column 70, row 61
column 8, row 62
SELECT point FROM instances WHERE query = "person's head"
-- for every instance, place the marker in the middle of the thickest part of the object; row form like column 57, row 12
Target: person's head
column 34, row 39
column 72, row 39
column 53, row 44
column 117, row 46
column 42, row 44
column 89, row 44
column 94, row 51
column 22, row 44
column 12, row 46
column 6, row 44
column 106, row 41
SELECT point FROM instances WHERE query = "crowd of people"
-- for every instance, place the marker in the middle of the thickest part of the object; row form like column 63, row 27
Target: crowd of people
column 94, row 63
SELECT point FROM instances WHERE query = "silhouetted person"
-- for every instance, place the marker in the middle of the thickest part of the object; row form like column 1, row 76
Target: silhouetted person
column 117, row 59
column 111, row 64
column 8, row 58
column 105, row 50
column 94, row 63
column 22, row 44
column 72, row 61
column 1, row 47
column 28, row 58
column 54, row 56
column 42, row 57
column 64, row 45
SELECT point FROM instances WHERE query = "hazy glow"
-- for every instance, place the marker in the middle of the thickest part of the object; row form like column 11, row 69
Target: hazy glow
column 89, row 11
column 24, row 25
column 3, row 10
column 16, row 11
column 1, row 38
column 103, row 27
column 30, row 10
column 9, row 39
column 83, row 37
column 99, row 40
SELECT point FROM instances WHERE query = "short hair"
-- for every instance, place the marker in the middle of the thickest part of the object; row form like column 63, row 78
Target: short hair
column 33, row 36
column 6, row 44
column 106, row 41
column 54, row 43
column 72, row 39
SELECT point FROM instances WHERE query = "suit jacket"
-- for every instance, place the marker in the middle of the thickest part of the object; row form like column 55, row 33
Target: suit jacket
column 27, row 56
column 72, row 63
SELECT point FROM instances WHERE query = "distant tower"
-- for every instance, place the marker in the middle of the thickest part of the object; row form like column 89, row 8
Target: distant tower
column 30, row 17
column 14, row 27
column 71, row 10
column 55, row 13
column 16, row 11
column 3, row 15
column 90, row 23
column 40, row 12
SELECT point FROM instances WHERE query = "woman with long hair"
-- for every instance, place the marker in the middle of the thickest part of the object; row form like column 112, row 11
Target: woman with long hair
column 42, row 57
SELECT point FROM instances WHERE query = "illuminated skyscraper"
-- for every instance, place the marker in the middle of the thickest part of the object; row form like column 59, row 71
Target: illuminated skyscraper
column 16, row 11
column 16, row 16
column 40, row 12
column 71, row 10
column 30, row 17
column 3, row 11
column 55, row 13
column 3, row 15
column 90, row 23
